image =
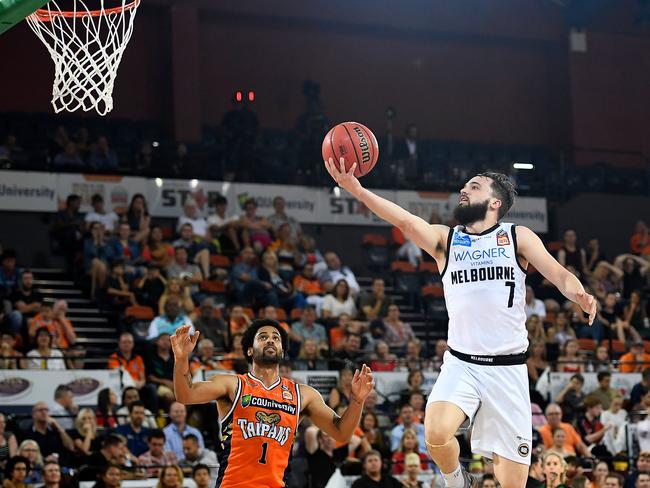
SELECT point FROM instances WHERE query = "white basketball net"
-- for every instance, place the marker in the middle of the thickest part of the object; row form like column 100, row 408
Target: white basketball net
column 86, row 47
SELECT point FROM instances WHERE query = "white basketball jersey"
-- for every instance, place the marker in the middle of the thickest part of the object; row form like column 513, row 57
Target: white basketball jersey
column 485, row 292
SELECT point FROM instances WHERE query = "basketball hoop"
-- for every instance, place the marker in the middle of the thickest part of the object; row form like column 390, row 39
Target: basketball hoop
column 86, row 47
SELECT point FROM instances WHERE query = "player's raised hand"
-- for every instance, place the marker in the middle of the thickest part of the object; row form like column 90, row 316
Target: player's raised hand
column 344, row 179
column 588, row 304
column 362, row 384
column 183, row 343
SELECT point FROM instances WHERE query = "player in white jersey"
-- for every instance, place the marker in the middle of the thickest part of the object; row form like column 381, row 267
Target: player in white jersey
column 483, row 377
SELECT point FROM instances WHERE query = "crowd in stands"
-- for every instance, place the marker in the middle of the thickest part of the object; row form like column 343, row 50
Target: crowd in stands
column 218, row 272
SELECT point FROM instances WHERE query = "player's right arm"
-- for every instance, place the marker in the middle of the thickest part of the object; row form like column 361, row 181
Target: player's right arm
column 186, row 390
column 423, row 234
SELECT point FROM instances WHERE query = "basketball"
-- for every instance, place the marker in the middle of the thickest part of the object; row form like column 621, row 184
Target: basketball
column 355, row 143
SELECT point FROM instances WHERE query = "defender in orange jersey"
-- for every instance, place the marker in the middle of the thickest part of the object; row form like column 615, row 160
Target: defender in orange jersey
column 260, row 411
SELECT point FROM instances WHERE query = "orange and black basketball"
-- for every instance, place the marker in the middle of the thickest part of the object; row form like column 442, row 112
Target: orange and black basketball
column 355, row 143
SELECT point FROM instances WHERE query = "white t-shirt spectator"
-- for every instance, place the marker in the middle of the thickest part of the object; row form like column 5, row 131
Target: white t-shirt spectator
column 108, row 219
column 55, row 362
column 537, row 308
column 214, row 219
column 199, row 225
column 337, row 308
column 643, row 434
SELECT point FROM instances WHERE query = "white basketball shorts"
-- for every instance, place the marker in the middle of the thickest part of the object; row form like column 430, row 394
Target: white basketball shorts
column 496, row 401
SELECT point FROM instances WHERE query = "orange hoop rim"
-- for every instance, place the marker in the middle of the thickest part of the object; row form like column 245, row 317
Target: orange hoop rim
column 44, row 15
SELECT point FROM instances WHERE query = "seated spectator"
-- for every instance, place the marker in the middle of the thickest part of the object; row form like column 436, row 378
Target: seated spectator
column 99, row 214
column 571, row 398
column 168, row 322
column 560, row 332
column 256, row 230
column 44, row 356
column 68, row 158
column 310, row 254
column 201, row 476
column 180, row 292
column 535, row 328
column 68, row 231
column 308, row 328
column 398, row 333
column 159, row 365
column 602, row 361
column 247, row 286
column 643, row 427
column 138, row 218
column 118, row 289
column 156, row 456
column 591, row 429
column 569, row 361
column 51, row 475
column 635, row 273
column 63, row 330
column 307, row 287
column 382, row 359
column 286, row 249
column 197, row 250
column 373, row 475
column 26, row 302
column 320, row 456
column 188, row 274
column 10, row 150
column 151, row 287
column 235, row 360
column 413, row 358
column 170, row 477
column 111, row 454
column 408, row 444
column 339, row 301
column 224, row 227
column 373, row 434
column 407, row 420
column 204, row 358
column 573, row 443
column 47, row 432
column 375, row 304
column 604, row 393
column 134, row 431
column 334, row 272
column 178, row 429
column 309, row 357
column 126, row 249
column 639, row 389
column 102, row 157
column 192, row 215
column 195, row 454
column 29, row 449
column 372, row 405
column 636, row 360
column 156, row 250
column 85, row 435
column 439, row 353
column 131, row 394
column 571, row 254
column 642, row 466
column 10, row 358
column 125, row 360
column 418, row 402
column 414, row 381
column 340, row 394
column 609, row 315
column 43, row 319
column 98, row 253
column 210, row 326
column 109, row 476
column 279, row 217
column 280, row 293
column 639, row 242
column 9, row 273
column 634, row 316
column 270, row 312
column 8, row 443
column 238, row 320
column 605, row 279
column 536, row 362
column 16, row 472
column 412, row 467
column 64, row 408
column 107, row 409
column 350, row 353
column 337, row 334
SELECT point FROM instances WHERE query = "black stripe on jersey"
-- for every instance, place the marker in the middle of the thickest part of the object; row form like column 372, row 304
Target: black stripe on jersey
column 226, row 444
column 514, row 243
column 448, row 250
column 485, row 232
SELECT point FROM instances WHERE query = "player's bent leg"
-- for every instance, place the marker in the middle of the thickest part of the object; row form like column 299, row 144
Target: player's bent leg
column 441, row 421
column 509, row 474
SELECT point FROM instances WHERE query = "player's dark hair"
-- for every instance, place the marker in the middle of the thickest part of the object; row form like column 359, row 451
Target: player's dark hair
column 249, row 336
column 502, row 188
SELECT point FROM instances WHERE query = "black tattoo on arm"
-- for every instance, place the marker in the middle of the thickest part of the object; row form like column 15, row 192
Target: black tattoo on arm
column 188, row 378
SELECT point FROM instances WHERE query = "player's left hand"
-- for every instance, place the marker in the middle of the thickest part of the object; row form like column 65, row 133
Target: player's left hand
column 362, row 384
column 588, row 304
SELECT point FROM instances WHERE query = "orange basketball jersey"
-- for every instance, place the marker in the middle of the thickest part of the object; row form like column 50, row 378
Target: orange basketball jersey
column 257, row 434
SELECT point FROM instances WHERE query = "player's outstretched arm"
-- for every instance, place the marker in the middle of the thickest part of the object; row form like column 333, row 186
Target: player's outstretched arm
column 323, row 417
column 190, row 392
column 415, row 228
column 533, row 250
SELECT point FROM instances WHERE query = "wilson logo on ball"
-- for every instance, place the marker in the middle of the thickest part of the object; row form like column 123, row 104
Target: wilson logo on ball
column 353, row 142
column 363, row 145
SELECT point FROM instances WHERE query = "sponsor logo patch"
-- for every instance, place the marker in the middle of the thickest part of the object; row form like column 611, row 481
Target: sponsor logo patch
column 287, row 395
column 502, row 238
column 269, row 404
column 523, row 449
column 460, row 240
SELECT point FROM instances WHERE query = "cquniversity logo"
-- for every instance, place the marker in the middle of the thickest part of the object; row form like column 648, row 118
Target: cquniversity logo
column 246, row 400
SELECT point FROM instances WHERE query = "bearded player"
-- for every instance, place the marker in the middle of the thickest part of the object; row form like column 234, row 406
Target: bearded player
column 484, row 377
column 260, row 411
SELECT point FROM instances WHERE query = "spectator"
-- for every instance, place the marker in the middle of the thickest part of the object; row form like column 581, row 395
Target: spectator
column 44, row 356
column 194, row 454
column 570, row 361
column 601, row 361
column 413, row 358
column 412, row 470
column 335, row 271
column 536, row 362
column 571, row 397
column 407, row 421
column 634, row 317
column 102, row 157
column 26, row 302
column 44, row 318
column 271, row 313
column 439, row 354
column 373, row 433
column 350, row 353
column 126, row 361
column 398, row 333
column 238, row 320
column 193, row 217
column 118, row 291
column 204, row 358
column 210, row 326
column 197, row 251
column 307, row 284
column 279, row 217
column 235, row 360
column 609, row 315
column 382, row 359
column 157, row 251
column 179, row 291
column 643, row 427
column 224, row 227
column 188, row 274
column 613, row 480
column 280, row 292
column 375, row 304
column 642, row 466
column 156, row 456
column 107, row 409
column 605, row 279
column 591, row 429
column 131, row 394
column 85, row 434
column 372, row 473
column 286, row 249
column 109, row 476
column 640, row 389
column 309, row 357
column 418, row 401
column 636, row 360
column 138, row 218
column 639, row 242
column 635, row 273
column 201, row 476
column 63, row 330
column 340, row 394
column 168, row 322
column 604, row 393
column 320, row 456
column 534, row 306
column 10, row 358
column 10, row 150
column 574, row 442
column 554, row 468
column 29, row 449
column 535, row 472
column 339, row 301
column 99, row 214
column 308, row 328
column 9, row 273
column 255, row 229
column 8, row 443
column 47, row 432
column 594, row 254
column 135, row 431
column 572, row 255
column 560, row 332
column 110, row 455
column 98, row 253
column 408, row 444
column 178, row 429
column 247, row 286
column 159, row 366
column 15, row 472
column 64, row 408
column 51, row 475
column 126, row 249
column 151, row 287
column 170, row 477
column 310, row 254
column 68, row 230
column 614, row 417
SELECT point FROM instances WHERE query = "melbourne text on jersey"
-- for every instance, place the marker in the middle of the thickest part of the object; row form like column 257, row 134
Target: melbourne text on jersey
column 483, row 274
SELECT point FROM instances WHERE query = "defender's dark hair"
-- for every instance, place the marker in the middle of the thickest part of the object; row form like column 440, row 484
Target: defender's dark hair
column 249, row 336
column 504, row 189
